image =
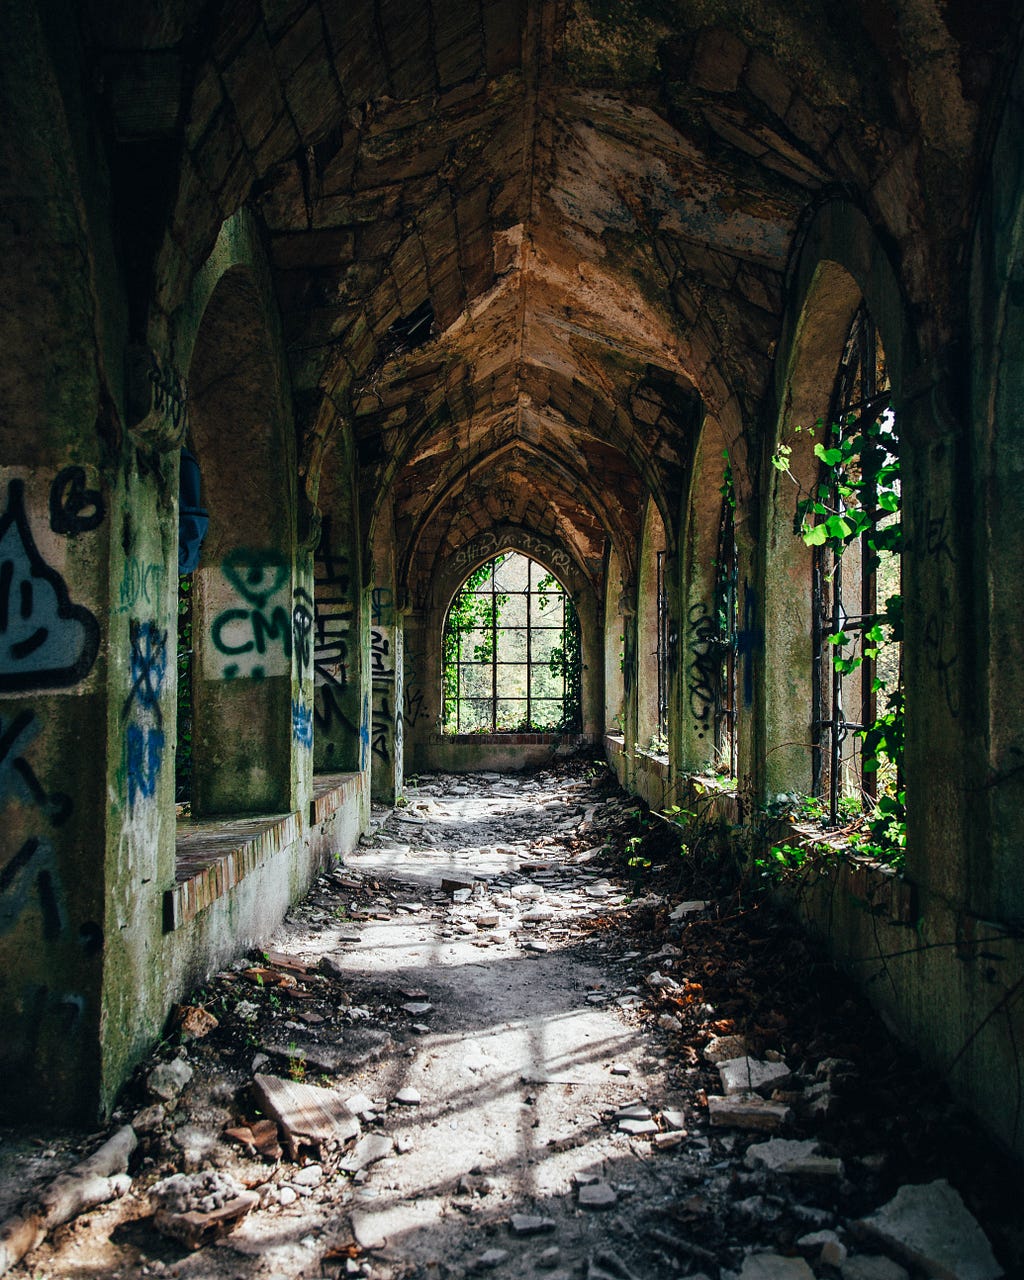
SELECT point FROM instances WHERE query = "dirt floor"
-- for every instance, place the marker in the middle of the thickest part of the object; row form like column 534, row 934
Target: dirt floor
column 486, row 1045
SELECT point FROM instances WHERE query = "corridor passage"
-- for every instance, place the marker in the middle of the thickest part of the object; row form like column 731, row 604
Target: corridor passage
column 521, row 1032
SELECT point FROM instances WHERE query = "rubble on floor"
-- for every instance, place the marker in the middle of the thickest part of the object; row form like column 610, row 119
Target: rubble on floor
column 485, row 1046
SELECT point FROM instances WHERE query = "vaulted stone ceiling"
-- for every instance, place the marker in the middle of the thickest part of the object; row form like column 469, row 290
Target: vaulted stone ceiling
column 589, row 208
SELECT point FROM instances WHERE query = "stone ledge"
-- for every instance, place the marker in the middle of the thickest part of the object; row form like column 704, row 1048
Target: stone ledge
column 214, row 856
column 331, row 792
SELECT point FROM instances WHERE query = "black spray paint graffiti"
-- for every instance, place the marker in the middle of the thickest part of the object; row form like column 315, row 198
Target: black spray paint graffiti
column 412, row 694
column 144, row 735
column 381, row 664
column 382, row 606
column 18, row 779
column 333, row 618
column 46, row 642
column 250, row 630
column 302, row 630
column 73, row 507
column 703, row 670
column 33, row 866
column 383, row 727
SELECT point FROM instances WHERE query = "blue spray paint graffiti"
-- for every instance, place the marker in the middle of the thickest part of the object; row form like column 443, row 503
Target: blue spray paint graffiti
column 302, row 724
column 144, row 738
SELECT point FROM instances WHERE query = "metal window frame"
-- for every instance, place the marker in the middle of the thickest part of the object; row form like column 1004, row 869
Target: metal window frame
column 569, row 634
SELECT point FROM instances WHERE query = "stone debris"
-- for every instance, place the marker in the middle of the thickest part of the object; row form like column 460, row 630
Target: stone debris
column 195, row 1207
column 527, row 1224
column 722, row 1048
column 666, row 1141
column 871, row 1266
column 308, row 1115
column 408, row 1097
column 747, row 1111
column 637, row 1128
column 673, row 1117
column 931, row 1228
column 607, row 1265
column 773, row 1266
column 597, row 1195
column 751, row 1075
column 167, row 1080
column 795, row 1157
column 827, row 1246
column 684, row 909
column 491, row 1259
column 370, row 1148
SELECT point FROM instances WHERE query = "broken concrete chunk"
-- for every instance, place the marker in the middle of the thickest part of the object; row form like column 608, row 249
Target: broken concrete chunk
column 527, row 1224
column 791, row 1156
column 408, row 1097
column 307, row 1114
column 871, row 1266
column 606, row 1265
column 673, row 1117
column 368, row 1150
column 598, row 1195
column 827, row 1246
column 751, row 1075
column 634, row 1111
column 637, row 1128
column 418, row 1008
column 747, row 1111
column 167, row 1080
column 666, row 1141
column 931, row 1227
column 722, row 1048
column 149, row 1118
column 773, row 1266
column 686, row 909
column 490, row 1259
column 194, row 1208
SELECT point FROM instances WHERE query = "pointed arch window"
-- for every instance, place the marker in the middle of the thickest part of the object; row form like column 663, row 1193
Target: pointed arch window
column 854, row 573
column 511, row 651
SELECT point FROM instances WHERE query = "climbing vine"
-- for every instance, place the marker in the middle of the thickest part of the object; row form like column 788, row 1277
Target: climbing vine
column 524, row 685
column 857, row 502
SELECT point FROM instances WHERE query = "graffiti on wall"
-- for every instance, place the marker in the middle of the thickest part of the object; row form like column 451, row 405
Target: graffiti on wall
column 141, row 587
column 413, row 702
column 302, row 630
column 702, row 672
column 488, row 544
column 334, row 615
column 144, row 739
column 46, row 642
column 302, row 724
column 74, row 508
column 382, row 606
column 252, row 635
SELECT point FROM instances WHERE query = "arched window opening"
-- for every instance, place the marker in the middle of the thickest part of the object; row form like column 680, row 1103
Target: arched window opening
column 726, row 577
column 852, row 521
column 511, row 651
column 661, row 647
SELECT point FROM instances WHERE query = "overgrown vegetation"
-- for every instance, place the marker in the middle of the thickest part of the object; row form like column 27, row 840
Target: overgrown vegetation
column 492, row 680
column 857, row 503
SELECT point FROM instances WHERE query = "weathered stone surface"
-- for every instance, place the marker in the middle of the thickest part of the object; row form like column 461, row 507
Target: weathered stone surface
column 528, row 1224
column 773, row 1266
column 867, row 1266
column 747, row 1111
column 167, row 1080
column 597, row 1195
column 751, row 1075
column 792, row 1156
column 307, row 1114
column 930, row 1226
